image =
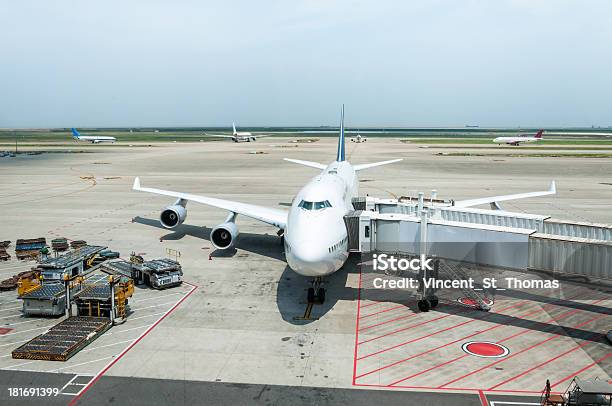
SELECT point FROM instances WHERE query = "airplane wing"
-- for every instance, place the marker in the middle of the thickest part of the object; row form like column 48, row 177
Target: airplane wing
column 262, row 135
column 307, row 163
column 475, row 202
column 219, row 135
column 275, row 217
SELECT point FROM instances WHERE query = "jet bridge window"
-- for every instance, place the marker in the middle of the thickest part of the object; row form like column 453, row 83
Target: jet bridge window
column 314, row 205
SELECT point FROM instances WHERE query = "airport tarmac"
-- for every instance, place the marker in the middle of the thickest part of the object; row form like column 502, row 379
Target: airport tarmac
column 234, row 321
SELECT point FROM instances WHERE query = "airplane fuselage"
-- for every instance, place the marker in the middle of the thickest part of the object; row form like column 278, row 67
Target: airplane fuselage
column 515, row 140
column 316, row 241
column 243, row 137
column 95, row 140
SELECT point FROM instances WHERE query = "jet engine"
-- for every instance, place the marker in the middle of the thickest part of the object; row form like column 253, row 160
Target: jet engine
column 173, row 216
column 224, row 235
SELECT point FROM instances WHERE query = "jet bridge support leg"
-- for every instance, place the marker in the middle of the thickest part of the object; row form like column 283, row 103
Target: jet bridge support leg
column 426, row 295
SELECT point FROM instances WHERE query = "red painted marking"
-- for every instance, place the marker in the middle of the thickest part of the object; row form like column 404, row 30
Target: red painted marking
column 472, row 303
column 483, row 398
column 573, row 374
column 4, row 330
column 129, row 347
column 387, row 321
column 429, row 369
column 428, row 351
column 475, row 390
column 541, row 364
column 415, row 339
column 460, row 339
column 357, row 329
column 554, row 337
column 383, row 311
column 403, row 329
column 490, row 328
column 370, row 304
column 484, row 349
column 436, row 332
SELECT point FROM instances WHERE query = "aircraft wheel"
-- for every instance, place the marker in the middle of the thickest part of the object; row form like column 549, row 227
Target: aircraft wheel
column 311, row 295
column 321, row 295
column 434, row 302
column 424, row 305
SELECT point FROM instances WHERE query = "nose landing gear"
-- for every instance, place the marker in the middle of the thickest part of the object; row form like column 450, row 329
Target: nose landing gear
column 316, row 294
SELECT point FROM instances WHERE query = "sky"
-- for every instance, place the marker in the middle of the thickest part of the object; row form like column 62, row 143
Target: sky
column 293, row 63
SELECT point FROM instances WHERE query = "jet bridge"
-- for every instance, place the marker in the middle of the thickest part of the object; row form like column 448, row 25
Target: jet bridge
column 495, row 238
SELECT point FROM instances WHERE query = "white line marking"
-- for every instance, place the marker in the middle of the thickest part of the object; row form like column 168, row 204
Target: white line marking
column 108, row 345
column 10, row 308
column 128, row 329
column 25, row 331
column 18, row 365
column 149, row 307
column 14, row 342
column 148, row 315
column 10, row 317
column 21, row 322
column 514, row 403
column 82, row 363
column 136, row 300
column 69, row 382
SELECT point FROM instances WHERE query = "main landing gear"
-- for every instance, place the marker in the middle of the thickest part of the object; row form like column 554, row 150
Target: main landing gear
column 316, row 293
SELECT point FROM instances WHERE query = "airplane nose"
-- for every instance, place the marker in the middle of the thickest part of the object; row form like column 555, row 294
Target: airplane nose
column 308, row 252
column 308, row 258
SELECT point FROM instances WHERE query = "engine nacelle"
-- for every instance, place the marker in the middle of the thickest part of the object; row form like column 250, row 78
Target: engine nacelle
column 224, row 235
column 173, row 216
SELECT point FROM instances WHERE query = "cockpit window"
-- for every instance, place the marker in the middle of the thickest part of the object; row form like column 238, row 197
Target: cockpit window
column 305, row 205
column 314, row 205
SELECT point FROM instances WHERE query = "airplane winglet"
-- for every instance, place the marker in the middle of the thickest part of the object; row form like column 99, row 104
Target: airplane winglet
column 136, row 185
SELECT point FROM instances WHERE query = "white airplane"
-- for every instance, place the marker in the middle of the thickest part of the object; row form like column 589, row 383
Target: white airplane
column 359, row 139
column 242, row 136
column 94, row 139
column 314, row 232
column 516, row 141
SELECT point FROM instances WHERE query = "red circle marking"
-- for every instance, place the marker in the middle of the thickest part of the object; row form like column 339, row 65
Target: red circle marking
column 485, row 349
column 472, row 303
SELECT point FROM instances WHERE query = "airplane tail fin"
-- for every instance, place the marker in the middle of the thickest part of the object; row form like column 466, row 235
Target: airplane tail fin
column 234, row 128
column 539, row 134
column 340, row 155
column 75, row 133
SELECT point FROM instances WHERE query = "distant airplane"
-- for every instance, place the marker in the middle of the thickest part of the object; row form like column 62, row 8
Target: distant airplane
column 314, row 233
column 94, row 139
column 359, row 138
column 236, row 136
column 516, row 141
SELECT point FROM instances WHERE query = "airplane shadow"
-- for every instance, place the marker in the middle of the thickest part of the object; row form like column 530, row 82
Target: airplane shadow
column 262, row 244
column 292, row 290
